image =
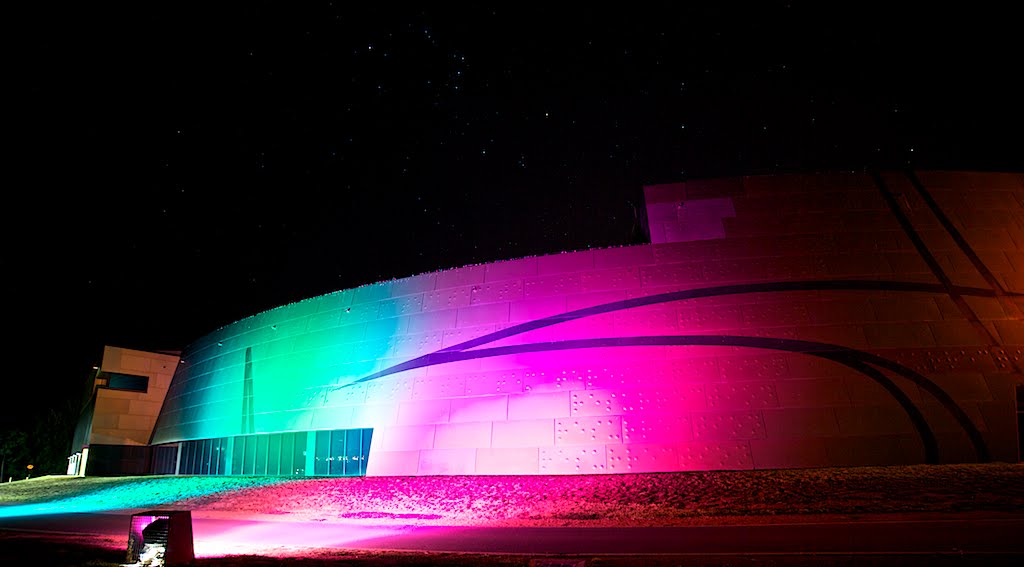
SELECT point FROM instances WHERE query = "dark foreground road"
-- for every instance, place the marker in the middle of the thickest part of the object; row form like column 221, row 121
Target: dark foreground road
column 214, row 537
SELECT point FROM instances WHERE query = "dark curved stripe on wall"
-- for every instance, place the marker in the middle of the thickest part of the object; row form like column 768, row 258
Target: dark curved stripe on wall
column 980, row 448
column 713, row 291
column 933, row 264
column 842, row 355
column 442, row 356
column 931, row 446
column 961, row 242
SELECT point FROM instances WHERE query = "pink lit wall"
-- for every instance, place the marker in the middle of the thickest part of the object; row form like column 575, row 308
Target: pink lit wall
column 775, row 322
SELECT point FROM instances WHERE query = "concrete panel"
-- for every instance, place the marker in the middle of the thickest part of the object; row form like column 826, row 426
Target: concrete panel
column 108, row 405
column 589, row 459
column 373, row 415
column 551, row 285
column 963, row 385
column 483, row 315
column 536, row 405
column 755, row 367
column 624, row 256
column 511, row 269
column 643, row 458
column 494, row 292
column 688, row 368
column 741, row 395
column 393, row 463
column 861, row 451
column 584, row 300
column 671, row 275
column 567, row 262
column 435, row 387
column 371, row 293
column 406, row 438
column 1001, row 423
column 344, row 417
column 391, row 326
column 771, row 454
column 533, row 309
column 553, row 380
column 645, row 321
column 143, row 407
column 484, row 408
column 413, row 285
column 389, row 389
column 411, row 346
column 447, row 462
column 708, row 426
column 899, row 335
column 775, row 315
column 610, row 279
column 508, row 461
column 526, row 433
column 873, row 420
column 588, row 430
column 432, row 321
column 812, row 393
column 793, row 423
column 460, row 277
column 447, row 298
column 423, row 411
column 698, row 319
column 462, row 435
column 733, row 455
column 405, row 305
column 657, row 429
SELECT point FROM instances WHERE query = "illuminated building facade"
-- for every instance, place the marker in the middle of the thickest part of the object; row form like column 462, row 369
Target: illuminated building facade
column 772, row 322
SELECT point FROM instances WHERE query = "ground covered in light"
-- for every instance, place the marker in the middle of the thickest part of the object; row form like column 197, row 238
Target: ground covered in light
column 608, row 500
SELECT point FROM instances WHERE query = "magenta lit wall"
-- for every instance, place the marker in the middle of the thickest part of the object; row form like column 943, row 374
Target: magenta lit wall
column 774, row 322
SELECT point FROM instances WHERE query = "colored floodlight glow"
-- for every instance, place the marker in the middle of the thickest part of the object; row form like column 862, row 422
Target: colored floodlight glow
column 146, row 493
column 282, row 538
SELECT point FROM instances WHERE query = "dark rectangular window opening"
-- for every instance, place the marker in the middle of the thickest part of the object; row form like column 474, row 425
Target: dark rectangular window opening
column 129, row 382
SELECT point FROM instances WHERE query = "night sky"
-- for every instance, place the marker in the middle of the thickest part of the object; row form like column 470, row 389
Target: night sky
column 175, row 167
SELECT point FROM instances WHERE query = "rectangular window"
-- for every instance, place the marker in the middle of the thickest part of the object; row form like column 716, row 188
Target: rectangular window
column 323, row 453
column 261, row 454
column 186, row 458
column 237, row 456
column 207, row 456
column 130, row 382
column 274, row 455
column 299, row 454
column 250, row 455
column 353, row 457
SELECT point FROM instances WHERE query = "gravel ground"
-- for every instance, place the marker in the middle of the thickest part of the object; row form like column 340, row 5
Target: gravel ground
column 607, row 500
column 613, row 500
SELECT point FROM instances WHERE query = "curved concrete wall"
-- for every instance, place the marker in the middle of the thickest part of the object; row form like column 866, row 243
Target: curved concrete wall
column 782, row 321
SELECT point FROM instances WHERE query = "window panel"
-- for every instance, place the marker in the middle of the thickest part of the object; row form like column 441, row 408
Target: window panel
column 322, row 454
column 338, row 456
column 354, row 445
column 207, row 456
column 186, row 458
column 274, row 454
column 237, row 455
column 364, row 453
column 250, row 454
column 261, row 454
column 299, row 454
